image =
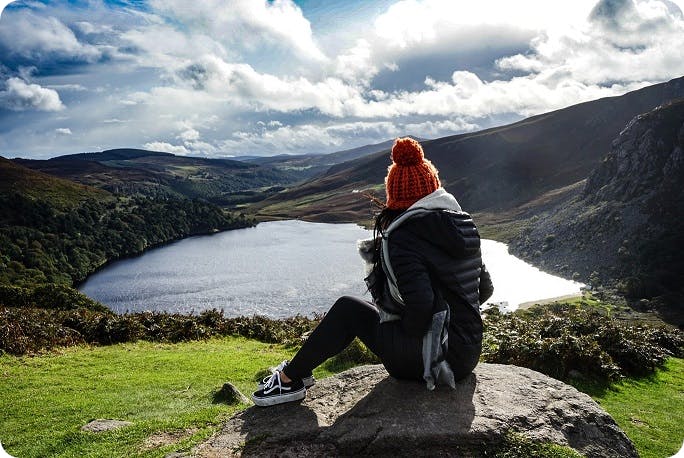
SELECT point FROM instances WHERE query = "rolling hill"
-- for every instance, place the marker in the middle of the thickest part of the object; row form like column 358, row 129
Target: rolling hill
column 494, row 171
column 226, row 182
column 60, row 193
column 131, row 171
column 56, row 231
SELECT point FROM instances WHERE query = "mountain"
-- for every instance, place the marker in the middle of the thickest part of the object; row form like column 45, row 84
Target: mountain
column 118, row 154
column 495, row 171
column 227, row 182
column 132, row 171
column 625, row 226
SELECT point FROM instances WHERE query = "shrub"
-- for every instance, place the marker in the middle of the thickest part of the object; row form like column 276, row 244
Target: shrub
column 47, row 296
column 30, row 329
column 563, row 340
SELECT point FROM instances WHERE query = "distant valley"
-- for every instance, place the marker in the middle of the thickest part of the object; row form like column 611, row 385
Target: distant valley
column 225, row 182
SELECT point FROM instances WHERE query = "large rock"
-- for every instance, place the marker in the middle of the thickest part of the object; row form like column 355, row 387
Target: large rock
column 363, row 411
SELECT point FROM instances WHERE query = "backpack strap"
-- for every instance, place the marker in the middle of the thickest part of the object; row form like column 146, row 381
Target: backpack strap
column 385, row 259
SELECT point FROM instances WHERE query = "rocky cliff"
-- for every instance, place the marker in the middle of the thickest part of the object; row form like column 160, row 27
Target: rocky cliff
column 626, row 225
column 364, row 412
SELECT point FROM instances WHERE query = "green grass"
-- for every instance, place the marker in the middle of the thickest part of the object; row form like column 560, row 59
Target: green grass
column 649, row 410
column 159, row 387
column 170, row 388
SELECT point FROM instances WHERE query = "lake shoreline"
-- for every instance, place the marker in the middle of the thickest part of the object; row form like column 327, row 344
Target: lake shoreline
column 551, row 300
column 77, row 284
column 279, row 269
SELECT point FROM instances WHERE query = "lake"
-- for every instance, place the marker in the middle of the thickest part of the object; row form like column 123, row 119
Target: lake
column 279, row 269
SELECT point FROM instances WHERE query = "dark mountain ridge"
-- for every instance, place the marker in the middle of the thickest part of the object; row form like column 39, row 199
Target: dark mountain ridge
column 112, row 155
column 496, row 169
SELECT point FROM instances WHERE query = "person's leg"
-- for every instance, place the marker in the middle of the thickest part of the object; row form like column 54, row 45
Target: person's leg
column 349, row 317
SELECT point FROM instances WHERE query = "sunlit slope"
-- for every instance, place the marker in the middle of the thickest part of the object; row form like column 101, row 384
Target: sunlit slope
column 491, row 170
column 61, row 193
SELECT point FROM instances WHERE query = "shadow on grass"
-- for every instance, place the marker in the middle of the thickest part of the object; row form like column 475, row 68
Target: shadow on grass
column 599, row 388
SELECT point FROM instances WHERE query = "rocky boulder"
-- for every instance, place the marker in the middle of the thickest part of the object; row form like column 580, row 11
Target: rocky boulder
column 363, row 411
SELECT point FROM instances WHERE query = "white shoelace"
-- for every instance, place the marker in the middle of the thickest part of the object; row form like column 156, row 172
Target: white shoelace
column 278, row 368
column 271, row 383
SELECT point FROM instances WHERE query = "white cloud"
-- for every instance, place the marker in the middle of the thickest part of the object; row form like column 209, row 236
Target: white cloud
column 165, row 147
column 20, row 96
column 163, row 46
column 623, row 41
column 410, row 22
column 410, row 30
column 247, row 24
column 435, row 129
column 189, row 135
column 321, row 138
column 63, row 131
column 189, row 141
column 90, row 28
column 242, row 86
column 356, row 64
column 35, row 37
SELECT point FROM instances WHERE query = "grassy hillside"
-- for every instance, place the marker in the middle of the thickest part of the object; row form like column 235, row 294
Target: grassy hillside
column 643, row 407
column 41, row 186
column 168, row 391
column 130, row 171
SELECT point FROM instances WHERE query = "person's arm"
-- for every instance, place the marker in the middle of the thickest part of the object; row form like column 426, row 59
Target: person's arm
column 486, row 285
column 415, row 286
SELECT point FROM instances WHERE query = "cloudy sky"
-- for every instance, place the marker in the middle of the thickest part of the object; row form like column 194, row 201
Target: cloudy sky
column 236, row 77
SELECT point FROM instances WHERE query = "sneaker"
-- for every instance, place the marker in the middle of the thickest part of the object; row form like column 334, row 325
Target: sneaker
column 308, row 381
column 277, row 392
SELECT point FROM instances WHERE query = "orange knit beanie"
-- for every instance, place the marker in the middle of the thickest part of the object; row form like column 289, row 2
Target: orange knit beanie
column 410, row 177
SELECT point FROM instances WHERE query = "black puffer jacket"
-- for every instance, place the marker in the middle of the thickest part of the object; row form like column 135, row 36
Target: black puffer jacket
column 436, row 257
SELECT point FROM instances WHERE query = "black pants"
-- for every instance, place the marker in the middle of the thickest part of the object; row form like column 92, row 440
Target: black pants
column 353, row 317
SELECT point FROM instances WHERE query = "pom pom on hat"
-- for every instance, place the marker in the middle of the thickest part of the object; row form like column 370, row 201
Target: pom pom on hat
column 410, row 177
column 407, row 151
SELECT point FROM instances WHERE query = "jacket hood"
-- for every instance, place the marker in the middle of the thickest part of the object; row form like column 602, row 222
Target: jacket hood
column 439, row 199
column 440, row 229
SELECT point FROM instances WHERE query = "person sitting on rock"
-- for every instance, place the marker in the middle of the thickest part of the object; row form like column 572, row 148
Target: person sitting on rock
column 427, row 280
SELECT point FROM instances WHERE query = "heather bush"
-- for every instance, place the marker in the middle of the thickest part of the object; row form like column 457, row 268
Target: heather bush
column 567, row 340
column 562, row 341
column 30, row 329
column 47, row 296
